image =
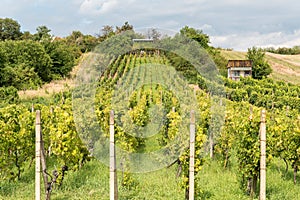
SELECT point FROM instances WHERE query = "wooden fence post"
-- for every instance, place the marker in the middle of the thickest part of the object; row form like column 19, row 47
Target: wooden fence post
column 38, row 155
column 112, row 160
column 192, row 157
column 262, row 191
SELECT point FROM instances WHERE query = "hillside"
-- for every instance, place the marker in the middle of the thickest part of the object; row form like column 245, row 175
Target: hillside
column 162, row 107
column 285, row 67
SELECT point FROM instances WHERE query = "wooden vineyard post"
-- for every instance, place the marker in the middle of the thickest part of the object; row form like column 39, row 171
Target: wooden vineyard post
column 211, row 144
column 192, row 157
column 112, row 160
column 38, row 155
column 262, row 191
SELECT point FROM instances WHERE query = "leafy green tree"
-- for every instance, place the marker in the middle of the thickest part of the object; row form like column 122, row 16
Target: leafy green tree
column 24, row 56
column 9, row 29
column 261, row 67
column 196, row 35
column 3, row 60
column 89, row 43
column 8, row 95
column 25, row 77
column 83, row 42
column 43, row 33
column 284, row 50
column 107, row 32
column 203, row 40
column 27, row 36
column 125, row 27
column 219, row 60
column 118, row 45
column 75, row 35
column 62, row 56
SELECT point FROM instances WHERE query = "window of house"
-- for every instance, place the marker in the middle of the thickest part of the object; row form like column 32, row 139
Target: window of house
column 236, row 73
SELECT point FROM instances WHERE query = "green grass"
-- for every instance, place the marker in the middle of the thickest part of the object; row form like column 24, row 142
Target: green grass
column 214, row 182
column 222, row 183
column 217, row 183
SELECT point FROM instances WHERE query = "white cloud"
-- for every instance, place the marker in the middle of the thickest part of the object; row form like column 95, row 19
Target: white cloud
column 243, row 41
column 207, row 28
column 231, row 23
column 97, row 7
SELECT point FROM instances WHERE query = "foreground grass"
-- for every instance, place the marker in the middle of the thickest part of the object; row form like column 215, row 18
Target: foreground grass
column 92, row 182
column 218, row 183
column 214, row 182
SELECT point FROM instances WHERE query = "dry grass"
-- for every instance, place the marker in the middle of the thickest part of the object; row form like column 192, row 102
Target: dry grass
column 55, row 86
column 285, row 67
column 47, row 89
column 233, row 55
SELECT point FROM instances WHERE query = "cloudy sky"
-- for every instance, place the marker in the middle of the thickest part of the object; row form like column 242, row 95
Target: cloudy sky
column 236, row 24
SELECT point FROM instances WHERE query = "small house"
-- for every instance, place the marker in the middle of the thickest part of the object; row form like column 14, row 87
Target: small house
column 142, row 40
column 141, row 45
column 239, row 68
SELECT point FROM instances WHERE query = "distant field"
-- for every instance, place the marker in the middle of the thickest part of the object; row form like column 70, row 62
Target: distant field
column 233, row 55
column 285, row 67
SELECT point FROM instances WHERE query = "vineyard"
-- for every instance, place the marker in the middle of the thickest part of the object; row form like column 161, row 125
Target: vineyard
column 152, row 101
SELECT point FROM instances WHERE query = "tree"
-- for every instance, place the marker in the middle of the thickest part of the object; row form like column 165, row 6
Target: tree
column 8, row 95
column 196, row 35
column 125, row 27
column 83, row 42
column 75, row 35
column 261, row 67
column 9, row 29
column 219, row 60
column 153, row 34
column 107, row 32
column 62, row 56
column 43, row 33
column 203, row 39
column 27, row 36
column 24, row 56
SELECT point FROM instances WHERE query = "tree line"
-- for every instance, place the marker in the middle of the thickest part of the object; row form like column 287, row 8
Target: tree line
column 28, row 60
column 284, row 50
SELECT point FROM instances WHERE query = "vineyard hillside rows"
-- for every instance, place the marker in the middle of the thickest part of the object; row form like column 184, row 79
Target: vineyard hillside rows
column 227, row 155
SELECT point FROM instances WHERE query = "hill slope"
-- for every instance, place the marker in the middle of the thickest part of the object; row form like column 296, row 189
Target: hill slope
column 285, row 67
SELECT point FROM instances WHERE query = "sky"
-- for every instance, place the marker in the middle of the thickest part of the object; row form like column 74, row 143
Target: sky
column 236, row 24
